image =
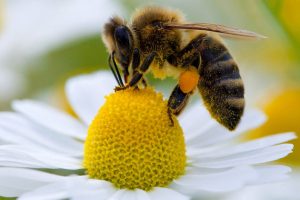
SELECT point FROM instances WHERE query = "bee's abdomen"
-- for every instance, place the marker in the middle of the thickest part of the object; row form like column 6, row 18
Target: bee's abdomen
column 220, row 83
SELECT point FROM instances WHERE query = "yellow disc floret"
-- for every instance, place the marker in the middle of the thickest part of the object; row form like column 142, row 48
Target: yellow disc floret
column 133, row 143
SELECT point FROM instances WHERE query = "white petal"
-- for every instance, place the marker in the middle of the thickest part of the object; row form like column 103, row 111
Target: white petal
column 93, row 190
column 51, row 118
column 246, row 158
column 56, row 190
column 160, row 193
column 86, row 93
column 16, row 181
column 16, row 129
column 229, row 180
column 244, row 147
column 23, row 156
column 142, row 195
column 283, row 190
column 194, row 120
column 208, row 134
column 271, row 173
column 117, row 195
column 215, row 133
column 136, row 194
column 73, row 187
column 251, row 119
column 49, row 192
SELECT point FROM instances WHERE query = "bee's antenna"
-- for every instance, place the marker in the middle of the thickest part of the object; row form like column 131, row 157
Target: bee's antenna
column 113, row 71
column 117, row 69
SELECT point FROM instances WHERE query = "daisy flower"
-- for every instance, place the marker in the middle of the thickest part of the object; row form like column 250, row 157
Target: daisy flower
column 127, row 149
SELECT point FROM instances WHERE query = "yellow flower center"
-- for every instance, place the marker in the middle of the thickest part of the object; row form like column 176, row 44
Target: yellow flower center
column 132, row 142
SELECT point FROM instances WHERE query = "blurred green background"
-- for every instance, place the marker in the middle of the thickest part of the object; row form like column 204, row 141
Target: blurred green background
column 42, row 43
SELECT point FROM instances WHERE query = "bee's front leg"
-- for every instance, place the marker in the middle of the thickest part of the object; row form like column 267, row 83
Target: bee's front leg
column 115, row 70
column 139, row 72
column 119, row 88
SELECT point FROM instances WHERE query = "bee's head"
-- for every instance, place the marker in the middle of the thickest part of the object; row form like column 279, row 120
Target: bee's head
column 118, row 39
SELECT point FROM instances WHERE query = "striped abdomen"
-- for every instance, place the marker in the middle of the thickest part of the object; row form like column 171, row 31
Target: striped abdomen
column 220, row 83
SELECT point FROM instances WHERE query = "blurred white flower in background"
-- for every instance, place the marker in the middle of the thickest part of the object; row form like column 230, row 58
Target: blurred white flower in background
column 31, row 28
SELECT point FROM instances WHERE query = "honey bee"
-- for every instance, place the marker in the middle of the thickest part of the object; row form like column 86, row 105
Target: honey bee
column 159, row 40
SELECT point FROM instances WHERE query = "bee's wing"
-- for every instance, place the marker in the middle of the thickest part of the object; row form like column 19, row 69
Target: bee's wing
column 227, row 31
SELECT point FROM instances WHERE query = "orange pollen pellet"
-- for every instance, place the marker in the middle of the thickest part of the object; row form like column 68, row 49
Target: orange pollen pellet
column 188, row 80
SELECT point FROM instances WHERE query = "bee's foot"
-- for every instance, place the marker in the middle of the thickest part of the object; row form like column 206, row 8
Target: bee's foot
column 118, row 88
column 170, row 117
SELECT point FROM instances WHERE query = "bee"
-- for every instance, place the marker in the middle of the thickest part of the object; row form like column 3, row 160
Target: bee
column 159, row 40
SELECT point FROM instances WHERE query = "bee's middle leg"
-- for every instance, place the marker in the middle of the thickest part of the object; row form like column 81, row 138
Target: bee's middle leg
column 136, row 63
column 139, row 72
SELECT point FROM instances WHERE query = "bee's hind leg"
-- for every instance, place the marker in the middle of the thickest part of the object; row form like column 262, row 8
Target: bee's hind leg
column 187, row 83
column 189, row 59
column 179, row 97
column 178, row 100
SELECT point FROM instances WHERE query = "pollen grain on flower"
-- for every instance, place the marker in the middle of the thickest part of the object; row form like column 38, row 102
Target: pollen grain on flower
column 132, row 143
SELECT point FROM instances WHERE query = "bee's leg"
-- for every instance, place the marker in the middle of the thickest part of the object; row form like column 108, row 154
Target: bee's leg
column 125, row 74
column 144, row 81
column 188, row 58
column 170, row 116
column 136, row 63
column 115, row 70
column 187, row 83
column 138, row 75
column 136, row 59
column 139, row 72
column 189, row 55
column 178, row 100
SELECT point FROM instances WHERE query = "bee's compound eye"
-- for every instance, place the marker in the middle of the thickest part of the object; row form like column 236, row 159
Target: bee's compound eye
column 122, row 37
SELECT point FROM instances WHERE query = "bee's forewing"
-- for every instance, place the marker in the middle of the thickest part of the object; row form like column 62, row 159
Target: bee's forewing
column 225, row 30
